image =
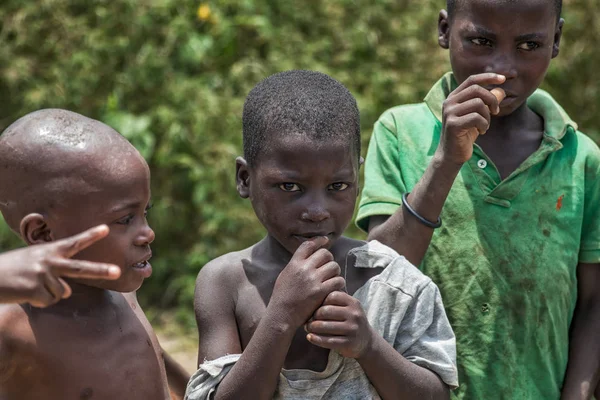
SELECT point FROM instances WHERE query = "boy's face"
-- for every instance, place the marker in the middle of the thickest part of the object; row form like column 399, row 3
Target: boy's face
column 119, row 198
column 301, row 189
column 514, row 38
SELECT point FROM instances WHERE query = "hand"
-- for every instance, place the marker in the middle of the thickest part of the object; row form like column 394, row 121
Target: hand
column 340, row 324
column 34, row 274
column 308, row 278
column 467, row 113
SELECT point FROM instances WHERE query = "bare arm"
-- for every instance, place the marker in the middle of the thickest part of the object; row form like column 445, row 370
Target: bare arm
column 300, row 288
column 466, row 115
column 402, row 231
column 395, row 377
column 177, row 376
column 584, row 350
column 341, row 325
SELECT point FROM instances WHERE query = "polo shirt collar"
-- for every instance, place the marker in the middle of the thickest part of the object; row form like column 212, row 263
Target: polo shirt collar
column 556, row 120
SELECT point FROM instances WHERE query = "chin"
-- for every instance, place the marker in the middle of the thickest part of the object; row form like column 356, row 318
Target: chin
column 123, row 286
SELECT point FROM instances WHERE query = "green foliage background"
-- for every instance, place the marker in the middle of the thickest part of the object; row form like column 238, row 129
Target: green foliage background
column 171, row 75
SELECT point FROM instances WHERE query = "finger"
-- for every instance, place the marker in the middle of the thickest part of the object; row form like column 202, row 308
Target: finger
column 67, row 292
column 477, row 92
column 475, row 105
column 473, row 121
column 500, row 95
column 83, row 269
column 488, row 78
column 43, row 299
column 338, row 298
column 477, row 121
column 329, row 270
column 328, row 342
column 330, row 313
column 73, row 245
column 329, row 328
column 306, row 249
column 334, row 284
column 54, row 287
column 320, row 257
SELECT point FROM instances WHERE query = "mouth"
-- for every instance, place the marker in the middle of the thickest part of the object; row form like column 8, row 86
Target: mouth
column 143, row 263
column 312, row 235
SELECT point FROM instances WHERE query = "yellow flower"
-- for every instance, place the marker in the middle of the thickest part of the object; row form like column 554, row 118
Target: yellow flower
column 204, row 12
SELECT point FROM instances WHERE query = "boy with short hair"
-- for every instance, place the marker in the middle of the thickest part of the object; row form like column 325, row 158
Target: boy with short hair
column 307, row 313
column 62, row 173
column 517, row 260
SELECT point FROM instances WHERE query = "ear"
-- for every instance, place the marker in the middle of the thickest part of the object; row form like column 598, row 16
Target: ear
column 242, row 177
column 444, row 30
column 557, row 36
column 35, row 230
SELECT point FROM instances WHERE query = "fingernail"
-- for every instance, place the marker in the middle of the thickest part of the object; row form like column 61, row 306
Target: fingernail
column 114, row 271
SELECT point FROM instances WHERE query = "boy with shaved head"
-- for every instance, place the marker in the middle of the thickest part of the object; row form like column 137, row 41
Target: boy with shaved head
column 60, row 174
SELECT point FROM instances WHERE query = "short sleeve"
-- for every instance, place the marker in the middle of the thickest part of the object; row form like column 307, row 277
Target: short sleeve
column 589, row 251
column 384, row 186
column 425, row 336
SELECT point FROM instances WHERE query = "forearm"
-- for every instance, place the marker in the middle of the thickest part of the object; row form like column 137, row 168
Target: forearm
column 263, row 357
column 394, row 377
column 402, row 231
column 177, row 376
column 584, row 353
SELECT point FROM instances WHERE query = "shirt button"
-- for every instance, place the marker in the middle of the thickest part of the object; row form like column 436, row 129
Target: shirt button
column 482, row 163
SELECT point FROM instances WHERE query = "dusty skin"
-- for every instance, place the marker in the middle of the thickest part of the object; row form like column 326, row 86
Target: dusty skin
column 96, row 344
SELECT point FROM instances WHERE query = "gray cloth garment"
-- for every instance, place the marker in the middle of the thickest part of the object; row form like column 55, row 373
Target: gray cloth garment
column 401, row 303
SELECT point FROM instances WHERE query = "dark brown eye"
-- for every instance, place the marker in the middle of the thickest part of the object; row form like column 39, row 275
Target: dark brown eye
column 338, row 186
column 289, row 187
column 481, row 42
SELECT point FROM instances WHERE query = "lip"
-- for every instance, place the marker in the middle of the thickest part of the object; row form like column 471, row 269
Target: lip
column 303, row 237
column 143, row 266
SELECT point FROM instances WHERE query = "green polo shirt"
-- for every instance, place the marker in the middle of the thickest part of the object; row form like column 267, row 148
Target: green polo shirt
column 505, row 259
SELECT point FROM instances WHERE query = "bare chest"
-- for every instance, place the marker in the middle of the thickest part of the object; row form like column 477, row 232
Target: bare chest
column 87, row 357
column 251, row 308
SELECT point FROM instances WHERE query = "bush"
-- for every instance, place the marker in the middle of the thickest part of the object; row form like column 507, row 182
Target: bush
column 172, row 77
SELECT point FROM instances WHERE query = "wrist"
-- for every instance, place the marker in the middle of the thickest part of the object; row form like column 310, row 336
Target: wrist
column 279, row 320
column 370, row 348
column 443, row 162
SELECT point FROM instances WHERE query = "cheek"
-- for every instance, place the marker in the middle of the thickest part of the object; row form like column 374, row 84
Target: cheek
column 106, row 250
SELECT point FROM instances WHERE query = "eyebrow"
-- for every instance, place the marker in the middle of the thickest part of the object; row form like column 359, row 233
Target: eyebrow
column 479, row 30
column 127, row 206
column 530, row 36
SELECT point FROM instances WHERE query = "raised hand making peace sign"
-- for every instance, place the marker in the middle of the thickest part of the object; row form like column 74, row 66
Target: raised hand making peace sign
column 34, row 274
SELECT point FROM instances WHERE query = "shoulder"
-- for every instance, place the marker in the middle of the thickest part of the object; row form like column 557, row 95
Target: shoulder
column 16, row 335
column 224, row 270
column 14, row 321
column 398, row 273
column 400, row 116
column 587, row 147
column 219, row 280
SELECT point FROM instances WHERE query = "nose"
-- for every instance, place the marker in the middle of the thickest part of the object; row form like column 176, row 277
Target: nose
column 316, row 209
column 503, row 64
column 145, row 236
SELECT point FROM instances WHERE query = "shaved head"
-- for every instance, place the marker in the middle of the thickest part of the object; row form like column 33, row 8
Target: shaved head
column 51, row 159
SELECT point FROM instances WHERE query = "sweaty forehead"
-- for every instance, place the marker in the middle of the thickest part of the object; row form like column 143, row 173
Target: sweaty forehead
column 51, row 156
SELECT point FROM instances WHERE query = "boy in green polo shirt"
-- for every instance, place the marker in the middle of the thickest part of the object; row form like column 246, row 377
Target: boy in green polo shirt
column 517, row 259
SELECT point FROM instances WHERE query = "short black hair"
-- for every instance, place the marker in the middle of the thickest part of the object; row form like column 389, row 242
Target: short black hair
column 297, row 101
column 451, row 7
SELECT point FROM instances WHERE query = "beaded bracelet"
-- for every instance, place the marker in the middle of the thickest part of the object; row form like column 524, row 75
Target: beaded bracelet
column 424, row 221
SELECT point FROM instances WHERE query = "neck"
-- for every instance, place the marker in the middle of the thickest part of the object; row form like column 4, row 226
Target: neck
column 84, row 297
column 274, row 251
